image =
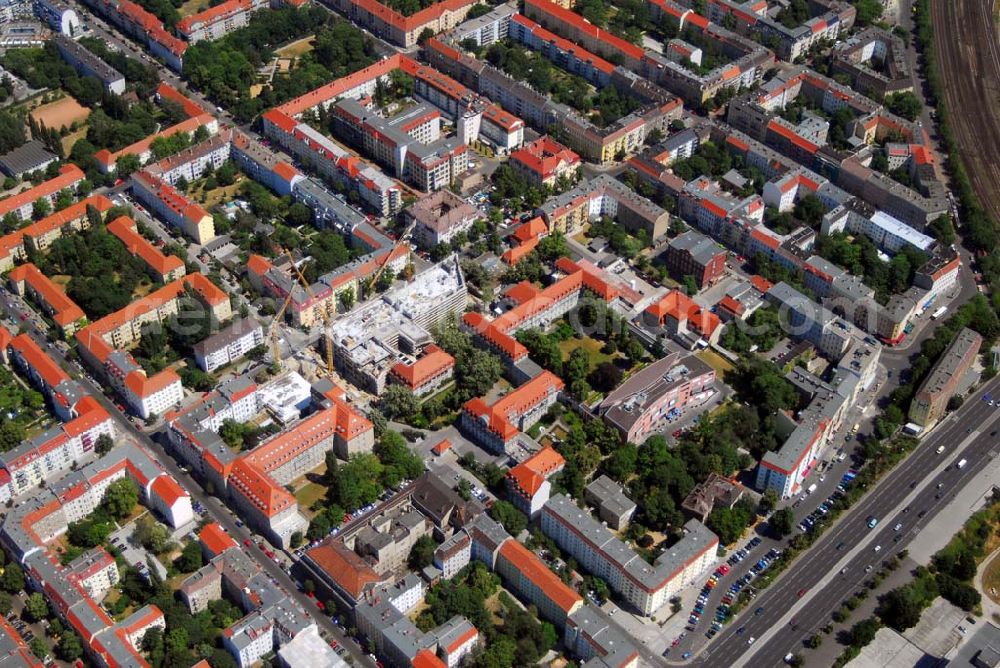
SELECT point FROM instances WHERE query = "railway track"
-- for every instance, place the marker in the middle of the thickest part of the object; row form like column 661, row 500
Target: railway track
column 965, row 40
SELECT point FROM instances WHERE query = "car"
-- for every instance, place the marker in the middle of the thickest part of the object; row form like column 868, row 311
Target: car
column 246, row 542
column 802, row 592
column 686, row 655
column 878, row 548
column 840, row 545
column 740, row 631
column 872, row 521
column 751, row 641
column 899, row 525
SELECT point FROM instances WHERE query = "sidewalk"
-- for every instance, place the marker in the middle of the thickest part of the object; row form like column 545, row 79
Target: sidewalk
column 991, row 609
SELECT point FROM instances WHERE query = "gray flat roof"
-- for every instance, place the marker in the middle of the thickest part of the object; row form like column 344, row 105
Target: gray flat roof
column 26, row 158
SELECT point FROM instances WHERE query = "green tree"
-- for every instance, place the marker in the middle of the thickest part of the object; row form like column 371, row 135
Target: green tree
column 191, row 558
column 40, row 208
column 782, row 522
column 12, row 580
column 120, row 498
column 512, row 519
column 346, row 299
column 36, row 607
column 69, row 648
column 39, row 647
column 151, row 534
column 103, row 444
column 422, row 553
column 863, row 632
column 398, row 401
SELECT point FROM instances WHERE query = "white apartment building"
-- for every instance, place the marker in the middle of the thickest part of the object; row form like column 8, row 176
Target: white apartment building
column 647, row 587
column 228, row 345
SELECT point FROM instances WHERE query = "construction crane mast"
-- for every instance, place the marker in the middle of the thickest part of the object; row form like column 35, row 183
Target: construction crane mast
column 273, row 332
column 324, row 314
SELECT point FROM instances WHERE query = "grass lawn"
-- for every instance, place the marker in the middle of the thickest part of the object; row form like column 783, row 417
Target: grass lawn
column 72, row 138
column 193, row 7
column 216, row 195
column 297, row 48
column 591, row 345
column 142, row 290
column 309, row 494
column 716, row 361
column 991, row 580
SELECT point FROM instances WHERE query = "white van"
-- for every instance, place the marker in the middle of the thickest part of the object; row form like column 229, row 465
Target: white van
column 961, row 463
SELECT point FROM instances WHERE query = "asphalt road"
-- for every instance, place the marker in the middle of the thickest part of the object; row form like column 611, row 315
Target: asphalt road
column 217, row 508
column 890, row 502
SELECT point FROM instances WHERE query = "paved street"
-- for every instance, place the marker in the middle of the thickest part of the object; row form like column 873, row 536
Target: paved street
column 216, row 508
column 906, row 493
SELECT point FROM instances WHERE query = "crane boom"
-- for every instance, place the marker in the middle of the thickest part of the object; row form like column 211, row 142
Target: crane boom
column 402, row 238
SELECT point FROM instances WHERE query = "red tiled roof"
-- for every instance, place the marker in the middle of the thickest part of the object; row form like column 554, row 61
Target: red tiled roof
column 215, row 539
column 51, row 223
column 125, row 229
column 212, row 15
column 251, row 473
column 46, row 368
column 258, row 264
column 442, row 447
column 514, row 255
column 791, row 136
column 433, row 362
column 64, row 310
column 765, row 238
column 414, row 21
column 732, row 305
column 91, row 337
column 499, row 416
column 144, row 386
column 761, row 284
column 532, row 229
column 547, row 582
column 528, row 476
column 678, row 306
column 109, row 159
column 471, row 632
column 191, row 108
column 427, row 659
column 69, row 176
column 349, row 571
column 585, row 27
column 507, row 344
column 544, row 157
column 168, row 490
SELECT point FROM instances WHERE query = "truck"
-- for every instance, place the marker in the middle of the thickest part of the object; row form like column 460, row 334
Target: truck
column 938, row 313
column 961, row 463
column 812, row 488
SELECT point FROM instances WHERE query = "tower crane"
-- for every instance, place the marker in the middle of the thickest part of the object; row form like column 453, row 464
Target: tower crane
column 273, row 331
column 324, row 314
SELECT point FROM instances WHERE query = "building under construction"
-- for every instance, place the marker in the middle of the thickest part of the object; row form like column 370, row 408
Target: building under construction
column 395, row 327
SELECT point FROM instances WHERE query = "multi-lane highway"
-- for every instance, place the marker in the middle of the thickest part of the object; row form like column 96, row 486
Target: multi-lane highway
column 835, row 566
